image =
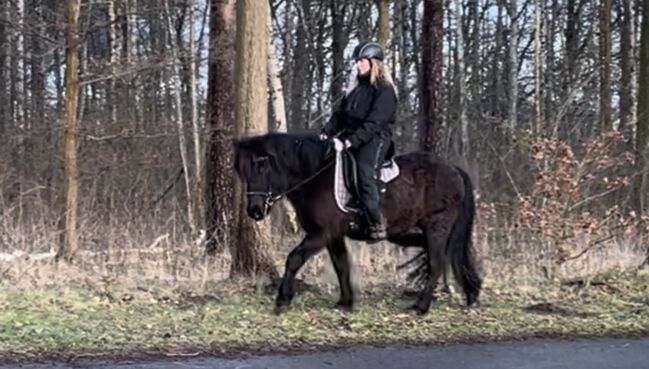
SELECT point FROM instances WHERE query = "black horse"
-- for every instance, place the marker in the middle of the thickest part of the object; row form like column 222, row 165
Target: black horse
column 430, row 205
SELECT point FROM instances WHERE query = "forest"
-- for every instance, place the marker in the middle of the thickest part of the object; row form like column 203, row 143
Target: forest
column 541, row 101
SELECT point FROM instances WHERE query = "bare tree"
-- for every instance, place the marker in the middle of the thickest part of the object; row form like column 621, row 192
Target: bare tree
column 460, row 80
column 431, row 76
column 512, row 10
column 69, row 245
column 605, row 65
column 383, row 22
column 250, row 255
column 626, row 65
column 199, row 202
column 182, row 142
column 642, row 128
column 221, row 210
column 538, row 67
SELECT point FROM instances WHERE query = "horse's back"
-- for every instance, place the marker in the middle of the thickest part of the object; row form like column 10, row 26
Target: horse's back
column 426, row 180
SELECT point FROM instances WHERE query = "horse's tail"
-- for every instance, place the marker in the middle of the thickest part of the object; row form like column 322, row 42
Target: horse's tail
column 459, row 248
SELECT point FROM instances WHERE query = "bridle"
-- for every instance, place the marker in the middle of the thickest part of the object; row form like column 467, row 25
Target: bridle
column 269, row 197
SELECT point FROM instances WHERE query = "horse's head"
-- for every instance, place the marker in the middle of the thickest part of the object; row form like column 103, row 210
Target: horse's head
column 257, row 164
column 270, row 164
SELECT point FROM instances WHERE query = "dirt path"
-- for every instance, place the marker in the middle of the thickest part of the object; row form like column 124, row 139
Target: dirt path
column 532, row 354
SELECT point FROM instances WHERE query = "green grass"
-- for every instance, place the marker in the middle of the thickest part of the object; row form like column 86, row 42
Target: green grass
column 222, row 318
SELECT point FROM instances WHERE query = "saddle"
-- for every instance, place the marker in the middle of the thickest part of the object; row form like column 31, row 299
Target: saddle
column 346, row 189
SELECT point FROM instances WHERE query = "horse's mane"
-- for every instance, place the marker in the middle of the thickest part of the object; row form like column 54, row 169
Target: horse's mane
column 292, row 153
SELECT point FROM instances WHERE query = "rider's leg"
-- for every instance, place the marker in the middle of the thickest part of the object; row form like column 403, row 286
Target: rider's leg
column 368, row 156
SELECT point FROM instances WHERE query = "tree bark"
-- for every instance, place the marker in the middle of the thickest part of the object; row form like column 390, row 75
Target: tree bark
column 605, row 65
column 251, row 254
column 626, row 66
column 4, row 68
column 221, row 209
column 338, row 44
column 383, row 22
column 300, row 70
column 68, row 245
column 538, row 68
column 460, row 78
column 199, row 201
column 176, row 86
column 431, row 76
column 642, row 126
column 112, row 60
column 512, row 10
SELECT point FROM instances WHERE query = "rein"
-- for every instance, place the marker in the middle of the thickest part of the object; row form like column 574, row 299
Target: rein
column 271, row 198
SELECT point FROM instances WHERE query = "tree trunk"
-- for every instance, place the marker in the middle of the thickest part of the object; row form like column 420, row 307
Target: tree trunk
column 383, row 22
column 133, row 92
column 496, row 93
column 19, row 65
column 199, row 201
column 605, row 65
column 37, row 85
column 276, row 90
column 460, row 78
column 251, row 255
column 4, row 68
column 300, row 69
column 176, row 86
column 432, row 38
column 550, row 19
column 538, row 68
column 338, row 44
column 112, row 60
column 221, row 209
column 512, row 9
column 68, row 245
column 626, row 66
column 642, row 127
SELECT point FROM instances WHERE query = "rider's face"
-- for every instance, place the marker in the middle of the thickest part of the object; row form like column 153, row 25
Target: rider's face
column 363, row 66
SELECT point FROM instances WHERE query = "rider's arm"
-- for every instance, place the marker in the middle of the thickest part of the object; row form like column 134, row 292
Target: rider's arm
column 333, row 125
column 383, row 109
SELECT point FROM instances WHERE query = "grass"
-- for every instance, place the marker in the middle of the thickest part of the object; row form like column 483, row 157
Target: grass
column 226, row 317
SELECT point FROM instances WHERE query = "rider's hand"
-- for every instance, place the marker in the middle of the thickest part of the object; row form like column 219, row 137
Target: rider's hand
column 323, row 137
column 348, row 144
column 338, row 145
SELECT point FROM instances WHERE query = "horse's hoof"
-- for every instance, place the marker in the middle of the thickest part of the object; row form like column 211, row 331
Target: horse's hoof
column 419, row 309
column 346, row 307
column 280, row 309
column 474, row 304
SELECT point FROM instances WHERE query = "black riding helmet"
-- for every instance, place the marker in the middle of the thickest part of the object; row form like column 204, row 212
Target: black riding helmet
column 368, row 50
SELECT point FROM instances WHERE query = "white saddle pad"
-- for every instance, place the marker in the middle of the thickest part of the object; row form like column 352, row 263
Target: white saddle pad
column 343, row 195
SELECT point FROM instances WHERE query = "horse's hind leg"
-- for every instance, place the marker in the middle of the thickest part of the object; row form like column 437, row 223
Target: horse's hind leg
column 436, row 235
column 340, row 260
column 309, row 246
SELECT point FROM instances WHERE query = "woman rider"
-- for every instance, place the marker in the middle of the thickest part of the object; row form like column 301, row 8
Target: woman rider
column 363, row 123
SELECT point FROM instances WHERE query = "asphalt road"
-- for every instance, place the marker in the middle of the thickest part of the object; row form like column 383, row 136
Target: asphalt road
column 532, row 354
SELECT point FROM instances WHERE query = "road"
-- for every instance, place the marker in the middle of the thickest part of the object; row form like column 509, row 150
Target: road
column 605, row 353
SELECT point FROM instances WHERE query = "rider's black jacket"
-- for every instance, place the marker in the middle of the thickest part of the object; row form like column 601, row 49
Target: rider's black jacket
column 368, row 110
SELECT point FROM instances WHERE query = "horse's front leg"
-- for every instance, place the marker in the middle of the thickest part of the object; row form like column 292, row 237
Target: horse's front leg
column 310, row 245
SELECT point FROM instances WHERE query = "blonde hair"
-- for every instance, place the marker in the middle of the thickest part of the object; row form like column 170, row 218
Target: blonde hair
column 379, row 73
